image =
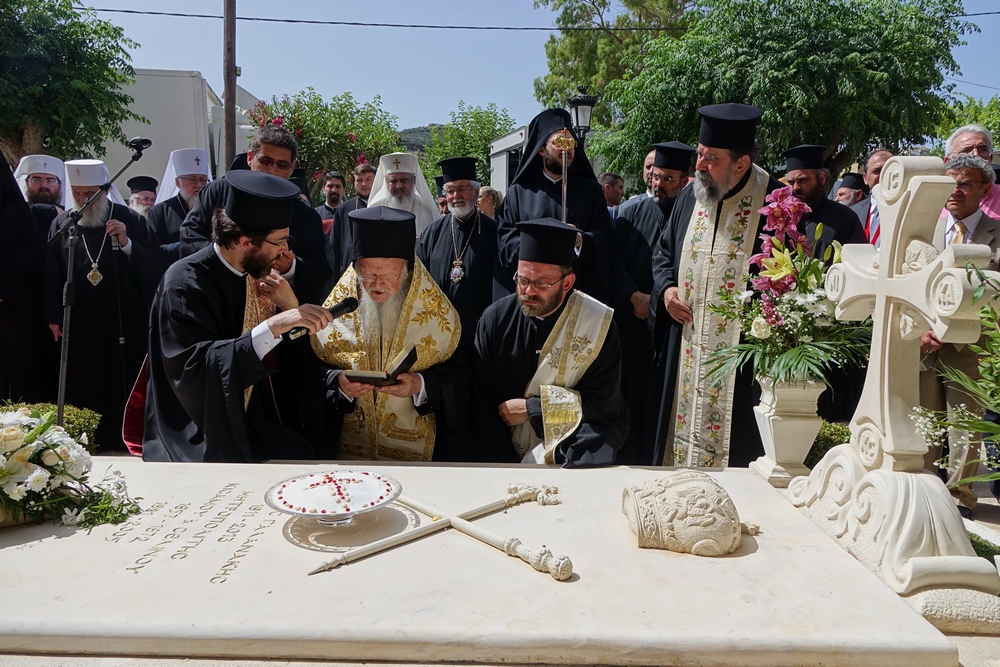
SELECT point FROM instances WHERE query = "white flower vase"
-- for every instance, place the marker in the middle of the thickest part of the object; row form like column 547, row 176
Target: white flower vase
column 788, row 426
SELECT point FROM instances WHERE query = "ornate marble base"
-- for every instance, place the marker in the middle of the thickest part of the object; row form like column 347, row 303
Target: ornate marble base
column 777, row 475
column 904, row 527
column 786, row 418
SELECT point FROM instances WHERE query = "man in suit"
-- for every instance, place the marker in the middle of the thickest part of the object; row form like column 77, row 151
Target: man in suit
column 866, row 209
column 965, row 223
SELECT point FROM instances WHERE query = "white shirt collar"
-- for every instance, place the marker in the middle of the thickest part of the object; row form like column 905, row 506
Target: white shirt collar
column 227, row 264
column 970, row 224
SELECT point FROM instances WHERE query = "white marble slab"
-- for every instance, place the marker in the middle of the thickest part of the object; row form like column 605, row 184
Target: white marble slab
column 209, row 571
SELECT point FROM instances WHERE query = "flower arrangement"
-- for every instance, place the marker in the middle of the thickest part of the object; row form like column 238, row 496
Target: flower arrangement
column 337, row 134
column 44, row 474
column 790, row 333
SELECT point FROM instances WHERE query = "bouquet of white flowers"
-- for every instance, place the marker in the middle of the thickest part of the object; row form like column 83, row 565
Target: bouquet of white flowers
column 44, row 474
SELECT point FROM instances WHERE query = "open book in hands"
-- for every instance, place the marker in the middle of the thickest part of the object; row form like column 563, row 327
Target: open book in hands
column 401, row 364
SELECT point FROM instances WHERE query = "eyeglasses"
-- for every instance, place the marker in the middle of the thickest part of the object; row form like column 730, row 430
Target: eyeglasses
column 144, row 200
column 270, row 161
column 981, row 149
column 203, row 180
column 966, row 186
column 454, row 191
column 372, row 278
column 539, row 286
column 283, row 243
column 38, row 180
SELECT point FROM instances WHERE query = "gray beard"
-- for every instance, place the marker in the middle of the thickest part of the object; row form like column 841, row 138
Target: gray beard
column 379, row 320
column 96, row 215
column 706, row 190
column 462, row 212
column 190, row 201
column 141, row 209
column 403, row 203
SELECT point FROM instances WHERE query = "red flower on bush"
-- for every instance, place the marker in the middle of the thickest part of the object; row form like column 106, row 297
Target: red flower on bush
column 351, row 137
column 278, row 120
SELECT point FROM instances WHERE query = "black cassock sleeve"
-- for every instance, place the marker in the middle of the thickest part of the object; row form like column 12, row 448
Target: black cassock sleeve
column 205, row 372
column 603, row 428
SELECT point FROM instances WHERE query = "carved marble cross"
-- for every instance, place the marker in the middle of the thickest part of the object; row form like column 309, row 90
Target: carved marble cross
column 908, row 288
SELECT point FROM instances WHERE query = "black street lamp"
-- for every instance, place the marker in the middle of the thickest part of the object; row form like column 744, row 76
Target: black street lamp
column 581, row 106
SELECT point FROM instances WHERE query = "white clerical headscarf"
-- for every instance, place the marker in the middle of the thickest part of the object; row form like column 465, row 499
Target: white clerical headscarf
column 88, row 173
column 39, row 164
column 424, row 207
column 183, row 162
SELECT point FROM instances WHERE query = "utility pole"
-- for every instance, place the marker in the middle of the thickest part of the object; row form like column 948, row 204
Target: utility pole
column 229, row 77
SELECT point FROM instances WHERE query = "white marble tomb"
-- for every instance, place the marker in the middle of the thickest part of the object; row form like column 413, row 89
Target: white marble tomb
column 208, row 571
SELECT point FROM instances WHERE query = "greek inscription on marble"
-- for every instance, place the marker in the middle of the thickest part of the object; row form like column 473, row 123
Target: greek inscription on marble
column 173, row 531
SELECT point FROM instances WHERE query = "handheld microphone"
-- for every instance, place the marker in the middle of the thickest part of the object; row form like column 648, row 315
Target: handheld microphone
column 348, row 305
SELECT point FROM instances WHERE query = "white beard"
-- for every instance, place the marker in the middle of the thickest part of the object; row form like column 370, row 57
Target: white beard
column 403, row 203
column 379, row 320
column 141, row 209
column 190, row 201
column 462, row 212
column 97, row 214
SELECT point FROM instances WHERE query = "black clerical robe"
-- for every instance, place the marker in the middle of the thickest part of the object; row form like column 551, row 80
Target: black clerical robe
column 598, row 266
column 339, row 238
column 745, row 445
column 325, row 214
column 22, row 256
column 840, row 224
column 199, row 364
column 311, row 269
column 164, row 221
column 507, row 348
column 636, row 231
column 101, row 369
column 477, row 237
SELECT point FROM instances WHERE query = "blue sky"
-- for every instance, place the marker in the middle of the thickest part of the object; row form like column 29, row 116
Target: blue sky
column 421, row 75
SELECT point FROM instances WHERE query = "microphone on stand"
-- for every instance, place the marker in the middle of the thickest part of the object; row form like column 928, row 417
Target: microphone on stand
column 139, row 144
column 348, row 305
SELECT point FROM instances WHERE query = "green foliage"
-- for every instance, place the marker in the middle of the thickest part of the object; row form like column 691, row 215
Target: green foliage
column 830, row 435
column 967, row 111
column 76, row 421
column 417, row 138
column 596, row 58
column 848, row 74
column 63, row 73
column 336, row 134
column 984, row 548
column 469, row 132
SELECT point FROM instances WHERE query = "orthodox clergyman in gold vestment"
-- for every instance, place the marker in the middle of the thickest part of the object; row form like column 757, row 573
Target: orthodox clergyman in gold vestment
column 400, row 307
